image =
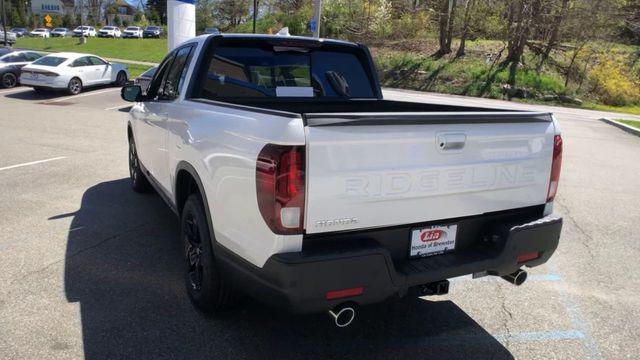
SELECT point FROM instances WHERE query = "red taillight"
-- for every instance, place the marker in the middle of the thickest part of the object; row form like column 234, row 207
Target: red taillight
column 555, row 168
column 280, row 186
column 338, row 294
column 528, row 256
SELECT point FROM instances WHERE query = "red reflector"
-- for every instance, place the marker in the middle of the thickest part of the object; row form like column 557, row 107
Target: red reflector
column 344, row 293
column 555, row 168
column 529, row 256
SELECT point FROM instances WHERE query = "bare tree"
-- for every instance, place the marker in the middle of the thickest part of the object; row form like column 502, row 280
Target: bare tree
column 445, row 26
column 558, row 18
column 468, row 6
column 520, row 17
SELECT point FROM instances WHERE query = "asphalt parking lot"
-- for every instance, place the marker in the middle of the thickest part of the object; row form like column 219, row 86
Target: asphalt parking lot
column 89, row 268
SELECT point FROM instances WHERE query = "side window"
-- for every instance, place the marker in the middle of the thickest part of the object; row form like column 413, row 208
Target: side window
column 33, row 56
column 154, row 87
column 95, row 61
column 176, row 74
column 83, row 61
column 13, row 58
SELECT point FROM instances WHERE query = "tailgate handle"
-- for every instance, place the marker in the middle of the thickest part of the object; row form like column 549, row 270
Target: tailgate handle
column 450, row 141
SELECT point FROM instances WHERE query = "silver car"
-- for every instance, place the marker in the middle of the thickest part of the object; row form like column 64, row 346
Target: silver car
column 11, row 37
column 61, row 32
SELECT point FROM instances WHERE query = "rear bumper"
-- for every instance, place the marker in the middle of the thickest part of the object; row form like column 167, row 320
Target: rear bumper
column 50, row 84
column 299, row 281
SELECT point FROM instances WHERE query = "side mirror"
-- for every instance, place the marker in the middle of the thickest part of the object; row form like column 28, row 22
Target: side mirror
column 131, row 93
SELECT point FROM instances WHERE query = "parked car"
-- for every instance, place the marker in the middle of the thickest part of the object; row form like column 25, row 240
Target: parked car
column 72, row 72
column 20, row 32
column 297, row 183
column 109, row 31
column 211, row 31
column 40, row 32
column 60, row 32
column 132, row 32
column 11, row 37
column 10, row 65
column 152, row 32
column 145, row 78
column 86, row 31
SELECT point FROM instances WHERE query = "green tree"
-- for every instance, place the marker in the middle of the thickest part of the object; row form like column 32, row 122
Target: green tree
column 204, row 14
column 231, row 13
column 67, row 21
column 117, row 21
column 157, row 10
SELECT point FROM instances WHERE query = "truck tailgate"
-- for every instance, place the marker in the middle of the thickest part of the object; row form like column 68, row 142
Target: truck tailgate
column 384, row 169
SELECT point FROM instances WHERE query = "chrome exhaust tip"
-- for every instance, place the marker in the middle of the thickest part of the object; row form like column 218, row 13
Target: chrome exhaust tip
column 517, row 278
column 343, row 315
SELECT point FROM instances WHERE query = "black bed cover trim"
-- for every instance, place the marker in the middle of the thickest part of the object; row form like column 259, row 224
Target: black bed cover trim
column 405, row 118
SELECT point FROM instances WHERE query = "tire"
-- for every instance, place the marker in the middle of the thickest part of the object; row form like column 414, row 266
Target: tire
column 139, row 181
column 75, row 86
column 209, row 290
column 121, row 79
column 9, row 80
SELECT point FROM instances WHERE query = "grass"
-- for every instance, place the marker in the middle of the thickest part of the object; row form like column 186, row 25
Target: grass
column 467, row 76
column 149, row 50
column 632, row 123
column 409, row 66
column 631, row 109
column 135, row 70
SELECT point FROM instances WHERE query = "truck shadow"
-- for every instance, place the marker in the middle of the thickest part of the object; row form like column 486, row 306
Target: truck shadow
column 124, row 267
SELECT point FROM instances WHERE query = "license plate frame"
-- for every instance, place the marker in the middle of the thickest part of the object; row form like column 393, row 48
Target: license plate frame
column 432, row 240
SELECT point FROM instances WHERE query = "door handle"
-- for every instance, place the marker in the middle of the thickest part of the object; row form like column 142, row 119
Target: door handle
column 450, row 142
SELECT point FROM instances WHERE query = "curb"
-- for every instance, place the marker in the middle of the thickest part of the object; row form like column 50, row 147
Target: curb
column 622, row 126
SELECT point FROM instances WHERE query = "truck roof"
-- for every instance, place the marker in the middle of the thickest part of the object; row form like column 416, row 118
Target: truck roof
column 276, row 37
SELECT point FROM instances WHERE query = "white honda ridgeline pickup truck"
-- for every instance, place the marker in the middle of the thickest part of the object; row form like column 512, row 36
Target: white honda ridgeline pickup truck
column 296, row 183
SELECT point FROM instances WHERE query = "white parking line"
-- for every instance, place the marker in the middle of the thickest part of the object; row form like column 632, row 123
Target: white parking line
column 81, row 95
column 32, row 163
column 16, row 89
column 117, row 107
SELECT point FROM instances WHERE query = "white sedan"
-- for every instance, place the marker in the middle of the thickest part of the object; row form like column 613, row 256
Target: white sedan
column 40, row 32
column 86, row 31
column 72, row 72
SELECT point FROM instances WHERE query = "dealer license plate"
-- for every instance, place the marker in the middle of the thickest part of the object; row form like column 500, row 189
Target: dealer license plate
column 432, row 240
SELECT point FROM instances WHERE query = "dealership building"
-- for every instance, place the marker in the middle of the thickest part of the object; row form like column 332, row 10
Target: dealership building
column 52, row 7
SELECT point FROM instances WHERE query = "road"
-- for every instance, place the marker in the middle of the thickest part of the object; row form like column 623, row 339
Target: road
column 88, row 268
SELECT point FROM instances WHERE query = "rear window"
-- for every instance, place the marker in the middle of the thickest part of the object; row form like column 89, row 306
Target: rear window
column 50, row 61
column 240, row 71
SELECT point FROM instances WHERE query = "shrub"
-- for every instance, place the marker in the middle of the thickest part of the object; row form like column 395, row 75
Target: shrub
column 613, row 83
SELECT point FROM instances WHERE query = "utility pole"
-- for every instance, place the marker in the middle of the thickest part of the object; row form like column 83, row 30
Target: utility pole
column 4, row 22
column 255, row 14
column 317, row 6
column 82, row 39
